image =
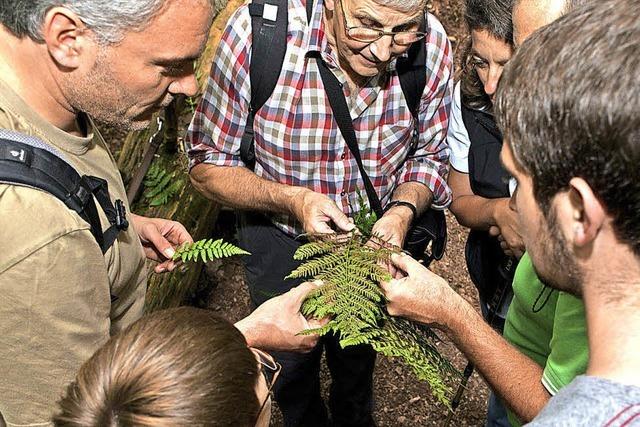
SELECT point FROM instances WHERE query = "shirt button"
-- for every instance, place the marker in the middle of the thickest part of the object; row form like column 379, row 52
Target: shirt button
column 343, row 194
column 343, row 156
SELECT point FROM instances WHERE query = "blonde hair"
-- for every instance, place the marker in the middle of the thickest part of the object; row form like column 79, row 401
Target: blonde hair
column 176, row 367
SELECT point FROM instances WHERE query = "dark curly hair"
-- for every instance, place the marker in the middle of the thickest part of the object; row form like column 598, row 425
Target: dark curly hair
column 579, row 118
column 493, row 16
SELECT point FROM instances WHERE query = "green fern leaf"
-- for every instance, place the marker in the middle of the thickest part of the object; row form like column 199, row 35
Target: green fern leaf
column 207, row 250
column 352, row 298
column 311, row 249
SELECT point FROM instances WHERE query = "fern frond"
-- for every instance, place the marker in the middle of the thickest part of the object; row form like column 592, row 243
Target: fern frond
column 207, row 250
column 160, row 185
column 350, row 269
column 311, row 249
column 365, row 218
column 168, row 193
column 314, row 266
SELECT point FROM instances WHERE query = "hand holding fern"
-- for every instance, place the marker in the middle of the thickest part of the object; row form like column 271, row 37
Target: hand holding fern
column 393, row 226
column 159, row 238
column 421, row 295
column 317, row 212
column 276, row 324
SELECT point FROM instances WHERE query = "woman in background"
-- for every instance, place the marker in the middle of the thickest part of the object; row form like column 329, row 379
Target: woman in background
column 480, row 185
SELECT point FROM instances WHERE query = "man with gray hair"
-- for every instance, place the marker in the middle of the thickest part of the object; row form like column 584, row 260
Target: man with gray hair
column 62, row 65
column 307, row 178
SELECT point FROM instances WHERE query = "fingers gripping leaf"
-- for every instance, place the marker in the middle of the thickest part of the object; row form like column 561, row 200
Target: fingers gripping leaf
column 351, row 270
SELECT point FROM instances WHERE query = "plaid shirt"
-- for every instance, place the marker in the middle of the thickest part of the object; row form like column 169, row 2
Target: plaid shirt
column 297, row 141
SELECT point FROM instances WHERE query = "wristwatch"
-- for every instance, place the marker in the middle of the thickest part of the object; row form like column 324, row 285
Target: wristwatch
column 411, row 206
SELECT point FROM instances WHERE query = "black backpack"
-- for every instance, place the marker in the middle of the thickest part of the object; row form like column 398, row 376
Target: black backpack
column 30, row 162
column 269, row 23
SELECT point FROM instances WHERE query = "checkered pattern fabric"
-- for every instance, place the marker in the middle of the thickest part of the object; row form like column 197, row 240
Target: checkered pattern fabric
column 297, row 141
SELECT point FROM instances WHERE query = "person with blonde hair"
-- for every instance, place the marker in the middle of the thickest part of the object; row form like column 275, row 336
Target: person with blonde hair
column 176, row 367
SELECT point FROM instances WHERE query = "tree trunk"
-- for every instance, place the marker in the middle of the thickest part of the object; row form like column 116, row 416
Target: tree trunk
column 183, row 203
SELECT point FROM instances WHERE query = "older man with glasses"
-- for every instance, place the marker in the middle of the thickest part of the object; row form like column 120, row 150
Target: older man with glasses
column 306, row 179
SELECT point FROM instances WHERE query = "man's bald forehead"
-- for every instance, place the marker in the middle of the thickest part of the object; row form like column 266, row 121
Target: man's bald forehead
column 552, row 9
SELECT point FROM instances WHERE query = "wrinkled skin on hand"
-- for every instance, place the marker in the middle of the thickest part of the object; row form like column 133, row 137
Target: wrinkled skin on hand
column 160, row 238
column 420, row 295
column 318, row 212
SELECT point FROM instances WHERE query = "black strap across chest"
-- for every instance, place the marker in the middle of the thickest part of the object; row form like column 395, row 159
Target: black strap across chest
column 31, row 166
column 487, row 176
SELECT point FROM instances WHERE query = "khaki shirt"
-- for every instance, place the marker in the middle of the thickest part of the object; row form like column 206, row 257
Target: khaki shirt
column 55, row 283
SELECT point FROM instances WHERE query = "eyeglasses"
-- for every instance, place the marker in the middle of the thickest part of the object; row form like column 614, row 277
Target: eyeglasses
column 370, row 35
column 271, row 370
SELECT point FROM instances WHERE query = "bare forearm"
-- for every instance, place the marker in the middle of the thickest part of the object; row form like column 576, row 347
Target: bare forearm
column 423, row 296
column 511, row 374
column 240, row 188
column 415, row 193
column 475, row 212
column 471, row 210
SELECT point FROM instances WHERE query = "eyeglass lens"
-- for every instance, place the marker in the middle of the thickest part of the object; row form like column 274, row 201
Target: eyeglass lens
column 369, row 35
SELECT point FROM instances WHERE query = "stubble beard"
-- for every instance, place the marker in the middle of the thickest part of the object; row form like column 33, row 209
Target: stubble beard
column 560, row 270
column 100, row 95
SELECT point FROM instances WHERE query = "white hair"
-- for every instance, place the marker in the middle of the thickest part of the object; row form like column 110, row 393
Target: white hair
column 108, row 19
column 404, row 5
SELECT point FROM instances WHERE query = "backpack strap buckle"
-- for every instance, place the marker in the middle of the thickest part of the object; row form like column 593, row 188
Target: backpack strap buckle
column 121, row 222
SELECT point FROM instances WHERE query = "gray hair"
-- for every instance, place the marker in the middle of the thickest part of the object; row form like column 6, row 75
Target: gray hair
column 404, row 5
column 108, row 19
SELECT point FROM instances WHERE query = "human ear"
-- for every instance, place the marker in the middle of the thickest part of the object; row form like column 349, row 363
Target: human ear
column 65, row 36
column 587, row 213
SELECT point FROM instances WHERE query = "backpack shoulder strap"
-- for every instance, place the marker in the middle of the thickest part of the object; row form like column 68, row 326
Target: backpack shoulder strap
column 413, row 76
column 269, row 22
column 412, row 72
column 28, row 161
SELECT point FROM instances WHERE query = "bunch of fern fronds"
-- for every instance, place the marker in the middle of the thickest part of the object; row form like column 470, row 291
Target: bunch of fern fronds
column 161, row 185
column 349, row 265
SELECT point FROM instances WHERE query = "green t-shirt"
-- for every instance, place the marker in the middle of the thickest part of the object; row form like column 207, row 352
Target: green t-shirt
column 548, row 326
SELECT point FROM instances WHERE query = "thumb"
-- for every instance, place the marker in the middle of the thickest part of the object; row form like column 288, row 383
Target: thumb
column 300, row 292
column 406, row 263
column 340, row 219
column 161, row 244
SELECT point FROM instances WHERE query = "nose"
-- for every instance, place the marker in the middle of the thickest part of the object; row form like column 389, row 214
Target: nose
column 381, row 48
column 187, row 85
column 491, row 84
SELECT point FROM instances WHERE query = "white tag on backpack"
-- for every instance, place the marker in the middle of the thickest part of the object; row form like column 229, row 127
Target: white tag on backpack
column 270, row 12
